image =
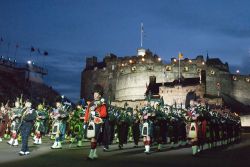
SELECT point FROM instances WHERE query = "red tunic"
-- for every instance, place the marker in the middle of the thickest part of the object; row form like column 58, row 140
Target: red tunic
column 101, row 109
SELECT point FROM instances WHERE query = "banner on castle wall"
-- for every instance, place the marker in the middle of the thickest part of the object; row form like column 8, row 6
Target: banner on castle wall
column 245, row 120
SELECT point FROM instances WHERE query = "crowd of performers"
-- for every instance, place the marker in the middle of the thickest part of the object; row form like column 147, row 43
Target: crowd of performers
column 197, row 125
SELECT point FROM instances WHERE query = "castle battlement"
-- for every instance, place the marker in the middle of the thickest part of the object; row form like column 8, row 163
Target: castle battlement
column 238, row 77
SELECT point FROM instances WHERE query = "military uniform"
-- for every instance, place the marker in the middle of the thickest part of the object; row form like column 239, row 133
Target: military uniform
column 136, row 127
column 147, row 127
column 76, row 125
column 113, row 113
column 122, row 127
column 193, row 129
column 40, row 125
column 95, row 115
column 4, row 120
column 60, row 116
column 15, row 117
column 27, row 123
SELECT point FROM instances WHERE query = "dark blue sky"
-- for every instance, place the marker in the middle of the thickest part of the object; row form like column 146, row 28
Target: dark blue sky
column 70, row 30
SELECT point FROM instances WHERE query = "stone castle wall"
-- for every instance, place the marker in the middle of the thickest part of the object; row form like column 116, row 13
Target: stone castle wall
column 132, row 81
column 178, row 94
column 241, row 88
column 218, row 82
column 91, row 78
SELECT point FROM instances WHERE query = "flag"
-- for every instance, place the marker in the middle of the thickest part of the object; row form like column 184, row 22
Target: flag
column 32, row 49
column 45, row 53
column 180, row 56
column 1, row 39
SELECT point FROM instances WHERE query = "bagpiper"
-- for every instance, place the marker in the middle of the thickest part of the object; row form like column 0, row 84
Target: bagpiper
column 60, row 116
column 4, row 120
column 42, row 116
column 136, row 126
column 94, row 117
column 15, row 117
column 122, row 127
column 147, row 126
column 193, row 126
column 113, row 114
column 76, row 125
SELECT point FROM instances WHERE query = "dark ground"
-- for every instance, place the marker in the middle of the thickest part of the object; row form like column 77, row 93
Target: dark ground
column 234, row 155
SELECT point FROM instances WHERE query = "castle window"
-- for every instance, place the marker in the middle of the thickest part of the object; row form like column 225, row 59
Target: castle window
column 113, row 67
column 186, row 69
column 168, row 68
column 95, row 68
column 133, row 68
column 150, row 67
column 212, row 72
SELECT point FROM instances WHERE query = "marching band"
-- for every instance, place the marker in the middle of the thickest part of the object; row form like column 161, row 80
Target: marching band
column 200, row 125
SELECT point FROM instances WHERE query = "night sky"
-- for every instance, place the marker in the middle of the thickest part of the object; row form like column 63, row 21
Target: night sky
column 71, row 30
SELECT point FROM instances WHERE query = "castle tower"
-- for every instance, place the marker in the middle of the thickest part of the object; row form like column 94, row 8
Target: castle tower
column 141, row 52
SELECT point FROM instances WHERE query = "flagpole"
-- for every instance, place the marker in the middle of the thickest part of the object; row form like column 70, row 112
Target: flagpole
column 179, row 68
column 141, row 35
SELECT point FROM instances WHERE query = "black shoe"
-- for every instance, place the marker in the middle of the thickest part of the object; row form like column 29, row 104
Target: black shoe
column 120, row 147
column 105, row 149
column 136, row 146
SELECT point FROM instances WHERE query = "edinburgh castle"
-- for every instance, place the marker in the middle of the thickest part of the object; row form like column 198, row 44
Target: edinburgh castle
column 129, row 79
